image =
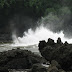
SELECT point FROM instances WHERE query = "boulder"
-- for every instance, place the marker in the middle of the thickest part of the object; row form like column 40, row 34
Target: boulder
column 20, row 63
column 55, row 63
column 62, row 53
column 52, row 69
column 59, row 41
column 66, row 43
column 42, row 44
column 47, row 52
column 18, row 59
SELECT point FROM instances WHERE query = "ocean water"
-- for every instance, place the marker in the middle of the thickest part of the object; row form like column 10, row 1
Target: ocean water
column 32, row 48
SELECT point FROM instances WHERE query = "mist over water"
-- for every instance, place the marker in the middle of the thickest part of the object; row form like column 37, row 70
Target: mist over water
column 41, row 33
column 50, row 26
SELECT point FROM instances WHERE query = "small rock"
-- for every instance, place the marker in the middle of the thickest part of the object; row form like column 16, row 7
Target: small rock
column 38, row 68
column 59, row 41
column 50, row 41
column 42, row 44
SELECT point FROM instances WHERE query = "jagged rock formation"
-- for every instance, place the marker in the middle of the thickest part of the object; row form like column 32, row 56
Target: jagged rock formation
column 60, row 52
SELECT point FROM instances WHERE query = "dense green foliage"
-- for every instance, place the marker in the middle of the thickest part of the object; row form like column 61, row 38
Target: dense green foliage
column 38, row 7
column 44, row 6
column 41, row 7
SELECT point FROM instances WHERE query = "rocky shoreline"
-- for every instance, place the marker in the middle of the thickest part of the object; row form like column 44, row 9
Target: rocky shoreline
column 60, row 52
column 56, row 57
column 18, row 59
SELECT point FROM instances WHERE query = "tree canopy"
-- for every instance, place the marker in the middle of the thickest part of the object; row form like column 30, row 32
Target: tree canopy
column 38, row 6
column 42, row 7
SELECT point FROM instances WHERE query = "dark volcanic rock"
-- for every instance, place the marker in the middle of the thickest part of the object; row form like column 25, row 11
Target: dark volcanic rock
column 20, row 63
column 42, row 44
column 50, row 42
column 59, row 41
column 60, row 52
column 18, row 59
column 38, row 68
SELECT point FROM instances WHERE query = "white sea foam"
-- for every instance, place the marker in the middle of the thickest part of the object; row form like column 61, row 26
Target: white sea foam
column 41, row 33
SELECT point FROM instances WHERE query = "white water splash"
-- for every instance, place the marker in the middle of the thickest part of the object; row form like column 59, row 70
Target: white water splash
column 47, row 24
column 41, row 33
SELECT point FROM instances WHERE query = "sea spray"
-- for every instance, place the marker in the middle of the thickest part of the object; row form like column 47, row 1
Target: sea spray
column 41, row 33
column 50, row 26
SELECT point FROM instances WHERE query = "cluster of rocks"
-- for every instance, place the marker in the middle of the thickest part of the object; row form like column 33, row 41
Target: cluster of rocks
column 60, row 52
column 38, row 67
column 56, row 57
column 53, row 67
column 18, row 59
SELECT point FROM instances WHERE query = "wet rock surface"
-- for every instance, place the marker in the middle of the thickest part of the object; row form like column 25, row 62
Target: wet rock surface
column 60, row 52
